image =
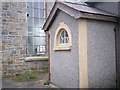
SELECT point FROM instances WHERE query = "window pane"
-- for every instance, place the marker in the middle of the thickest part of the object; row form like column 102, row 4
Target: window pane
column 42, row 48
column 39, row 40
column 41, row 5
column 42, row 33
column 36, row 31
column 41, row 22
column 66, row 34
column 61, row 40
column 30, row 29
column 42, row 13
column 30, row 40
column 30, row 34
column 29, row 4
column 63, row 37
column 36, row 13
column 30, row 49
column 35, row 4
column 36, row 22
column 30, row 21
column 30, row 12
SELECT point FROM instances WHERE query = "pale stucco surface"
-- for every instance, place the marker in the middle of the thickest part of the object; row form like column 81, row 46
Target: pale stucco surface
column 101, row 54
column 64, row 64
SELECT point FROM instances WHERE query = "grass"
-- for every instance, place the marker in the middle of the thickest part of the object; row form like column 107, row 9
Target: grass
column 27, row 76
column 20, row 78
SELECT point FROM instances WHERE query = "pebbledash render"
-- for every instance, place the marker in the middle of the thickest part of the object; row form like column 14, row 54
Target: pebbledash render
column 81, row 44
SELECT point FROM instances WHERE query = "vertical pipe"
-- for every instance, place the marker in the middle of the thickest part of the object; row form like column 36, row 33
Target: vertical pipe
column 48, row 51
column 117, row 42
column 116, row 53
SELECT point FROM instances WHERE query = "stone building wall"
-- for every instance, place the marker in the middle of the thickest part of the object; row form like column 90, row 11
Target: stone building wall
column 14, row 32
column 0, row 39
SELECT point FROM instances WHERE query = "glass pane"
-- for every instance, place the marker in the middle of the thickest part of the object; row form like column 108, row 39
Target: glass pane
column 30, row 28
column 30, row 40
column 29, row 4
column 36, row 31
column 36, row 13
column 30, row 34
column 41, row 5
column 42, row 13
column 30, row 12
column 42, row 48
column 63, row 37
column 39, row 40
column 30, row 21
column 41, row 22
column 66, row 34
column 42, row 33
column 36, row 22
column 66, row 40
column 35, row 4
column 30, row 49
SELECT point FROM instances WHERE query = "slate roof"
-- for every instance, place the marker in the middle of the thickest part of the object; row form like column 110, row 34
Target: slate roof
column 83, row 7
column 78, row 10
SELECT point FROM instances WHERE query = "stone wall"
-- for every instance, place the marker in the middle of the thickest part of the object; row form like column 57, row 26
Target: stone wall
column 41, row 66
column 14, row 32
column 0, row 39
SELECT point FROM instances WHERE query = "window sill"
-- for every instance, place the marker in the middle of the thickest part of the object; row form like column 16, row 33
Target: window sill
column 62, row 48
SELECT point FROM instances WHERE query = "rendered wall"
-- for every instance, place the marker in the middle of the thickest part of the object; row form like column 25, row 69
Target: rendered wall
column 64, row 64
column 101, row 54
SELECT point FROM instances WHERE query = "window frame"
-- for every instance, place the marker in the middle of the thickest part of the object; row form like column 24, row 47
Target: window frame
column 63, row 46
column 63, row 35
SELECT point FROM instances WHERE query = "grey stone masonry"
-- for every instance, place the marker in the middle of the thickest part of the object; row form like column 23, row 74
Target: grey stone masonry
column 0, row 42
column 13, row 28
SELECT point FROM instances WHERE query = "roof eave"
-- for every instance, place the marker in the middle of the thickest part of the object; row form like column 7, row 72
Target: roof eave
column 98, row 17
column 74, row 13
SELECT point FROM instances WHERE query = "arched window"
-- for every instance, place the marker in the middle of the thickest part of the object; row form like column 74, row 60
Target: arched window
column 63, row 39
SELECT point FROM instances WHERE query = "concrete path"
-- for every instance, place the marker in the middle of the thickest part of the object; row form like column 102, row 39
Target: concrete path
column 8, row 83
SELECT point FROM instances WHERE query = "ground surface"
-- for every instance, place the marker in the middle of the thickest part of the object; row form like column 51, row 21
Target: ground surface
column 8, row 83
